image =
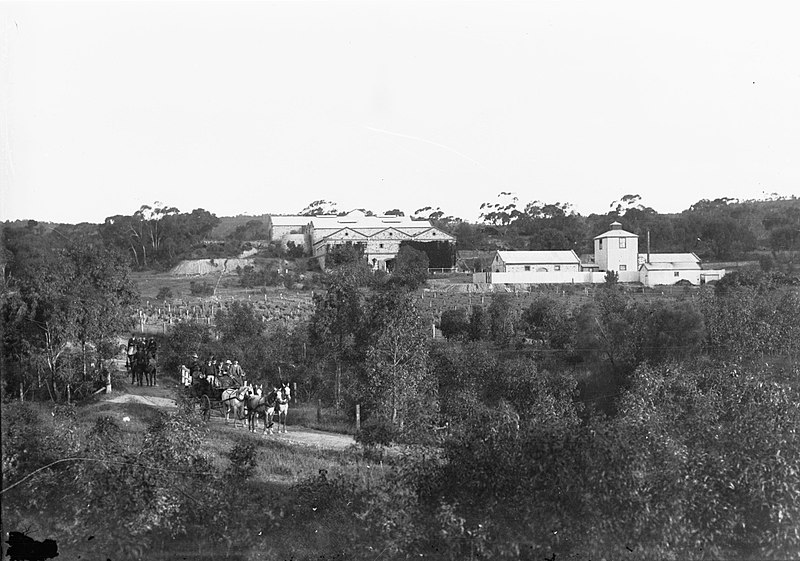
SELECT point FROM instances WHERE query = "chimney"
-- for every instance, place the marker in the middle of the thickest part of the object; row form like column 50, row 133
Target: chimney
column 648, row 246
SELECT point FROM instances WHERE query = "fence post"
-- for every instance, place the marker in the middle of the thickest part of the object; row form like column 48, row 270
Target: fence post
column 319, row 410
column 358, row 417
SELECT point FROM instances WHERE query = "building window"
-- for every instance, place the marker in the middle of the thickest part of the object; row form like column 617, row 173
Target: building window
column 623, row 243
column 601, row 244
column 676, row 274
column 556, row 267
column 527, row 267
column 623, row 267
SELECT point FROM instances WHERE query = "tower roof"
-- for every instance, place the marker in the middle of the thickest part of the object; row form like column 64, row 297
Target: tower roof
column 616, row 231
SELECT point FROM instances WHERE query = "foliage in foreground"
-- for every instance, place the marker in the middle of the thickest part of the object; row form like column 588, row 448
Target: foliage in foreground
column 700, row 461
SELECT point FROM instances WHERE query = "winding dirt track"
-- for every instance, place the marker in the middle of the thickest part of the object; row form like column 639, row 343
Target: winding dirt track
column 159, row 397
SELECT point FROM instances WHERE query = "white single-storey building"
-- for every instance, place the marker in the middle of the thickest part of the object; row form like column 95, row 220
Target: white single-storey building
column 536, row 261
column 669, row 268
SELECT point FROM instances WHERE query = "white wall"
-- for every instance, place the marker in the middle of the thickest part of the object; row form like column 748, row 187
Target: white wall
column 529, row 277
column 660, row 278
column 549, row 267
column 611, row 256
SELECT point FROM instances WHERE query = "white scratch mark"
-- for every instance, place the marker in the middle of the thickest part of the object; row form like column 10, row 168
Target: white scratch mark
column 443, row 146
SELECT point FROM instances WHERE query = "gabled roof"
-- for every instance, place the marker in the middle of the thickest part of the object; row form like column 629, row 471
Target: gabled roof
column 393, row 233
column 433, row 233
column 616, row 231
column 672, row 257
column 538, row 257
column 344, row 234
column 616, row 234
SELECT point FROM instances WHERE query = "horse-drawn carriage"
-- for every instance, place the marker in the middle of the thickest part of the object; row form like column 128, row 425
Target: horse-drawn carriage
column 242, row 402
column 226, row 398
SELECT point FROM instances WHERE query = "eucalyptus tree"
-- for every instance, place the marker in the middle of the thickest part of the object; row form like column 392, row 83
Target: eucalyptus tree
column 80, row 297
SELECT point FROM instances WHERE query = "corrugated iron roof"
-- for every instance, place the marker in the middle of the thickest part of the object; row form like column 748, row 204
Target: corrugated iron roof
column 672, row 257
column 677, row 266
column 616, row 234
column 537, row 257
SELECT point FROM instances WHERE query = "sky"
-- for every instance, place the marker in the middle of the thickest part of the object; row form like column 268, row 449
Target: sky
column 263, row 107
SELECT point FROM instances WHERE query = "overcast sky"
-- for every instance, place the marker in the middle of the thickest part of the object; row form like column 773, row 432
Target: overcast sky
column 263, row 107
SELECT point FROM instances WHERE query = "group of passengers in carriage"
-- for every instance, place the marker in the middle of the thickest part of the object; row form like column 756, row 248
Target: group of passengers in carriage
column 215, row 373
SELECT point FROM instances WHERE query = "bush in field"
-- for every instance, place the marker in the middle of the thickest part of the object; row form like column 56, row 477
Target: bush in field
column 164, row 293
column 547, row 320
column 454, row 324
column 250, row 277
column 411, row 267
column 479, row 324
column 201, row 288
column 502, row 319
column 377, row 432
column 243, row 460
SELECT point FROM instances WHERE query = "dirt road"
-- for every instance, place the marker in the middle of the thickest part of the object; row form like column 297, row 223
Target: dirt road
column 162, row 397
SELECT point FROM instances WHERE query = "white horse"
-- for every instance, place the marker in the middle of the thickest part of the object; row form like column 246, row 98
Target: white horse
column 284, row 395
column 234, row 401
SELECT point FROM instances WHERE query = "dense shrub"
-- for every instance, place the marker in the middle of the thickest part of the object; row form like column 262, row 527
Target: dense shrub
column 201, row 288
column 454, row 324
column 243, row 460
column 377, row 432
column 164, row 293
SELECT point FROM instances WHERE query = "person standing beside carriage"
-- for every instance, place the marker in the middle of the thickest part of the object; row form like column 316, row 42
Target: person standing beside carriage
column 237, row 374
column 152, row 347
column 195, row 368
column 130, row 352
column 210, row 371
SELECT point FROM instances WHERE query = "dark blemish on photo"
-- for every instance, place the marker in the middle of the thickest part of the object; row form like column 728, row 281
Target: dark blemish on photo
column 25, row 548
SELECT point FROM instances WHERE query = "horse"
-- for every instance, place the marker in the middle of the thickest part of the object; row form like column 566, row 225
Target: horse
column 260, row 403
column 234, row 401
column 284, row 394
column 144, row 365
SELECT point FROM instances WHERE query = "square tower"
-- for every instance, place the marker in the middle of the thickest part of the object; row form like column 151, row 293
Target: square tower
column 616, row 250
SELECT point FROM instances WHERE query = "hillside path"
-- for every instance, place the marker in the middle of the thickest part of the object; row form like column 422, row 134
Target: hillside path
column 161, row 397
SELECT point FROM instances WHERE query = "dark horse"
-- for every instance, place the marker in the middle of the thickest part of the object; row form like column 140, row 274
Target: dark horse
column 258, row 404
column 144, row 366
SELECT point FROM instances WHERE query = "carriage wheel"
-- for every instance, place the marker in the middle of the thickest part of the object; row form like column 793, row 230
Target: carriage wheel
column 205, row 407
